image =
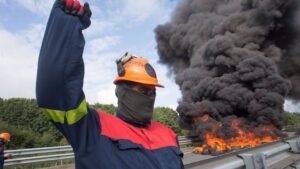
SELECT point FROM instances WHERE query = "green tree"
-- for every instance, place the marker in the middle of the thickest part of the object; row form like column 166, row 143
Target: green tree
column 23, row 117
column 108, row 108
column 291, row 118
column 167, row 117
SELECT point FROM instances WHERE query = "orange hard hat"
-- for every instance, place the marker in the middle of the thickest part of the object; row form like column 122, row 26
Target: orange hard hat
column 136, row 69
column 5, row 136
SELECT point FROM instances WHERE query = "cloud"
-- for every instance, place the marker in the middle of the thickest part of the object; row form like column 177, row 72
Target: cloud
column 291, row 106
column 169, row 95
column 110, row 17
column 99, row 26
column 100, row 68
column 99, row 75
column 18, row 62
column 140, row 10
column 125, row 13
column 36, row 6
column 34, row 35
column 107, row 95
column 101, row 44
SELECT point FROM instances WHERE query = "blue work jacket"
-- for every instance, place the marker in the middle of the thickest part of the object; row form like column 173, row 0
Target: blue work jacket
column 99, row 140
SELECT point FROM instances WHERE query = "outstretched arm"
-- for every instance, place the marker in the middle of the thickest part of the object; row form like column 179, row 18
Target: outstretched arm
column 61, row 69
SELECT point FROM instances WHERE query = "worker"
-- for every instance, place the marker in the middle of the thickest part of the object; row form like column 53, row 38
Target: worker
column 4, row 139
column 128, row 140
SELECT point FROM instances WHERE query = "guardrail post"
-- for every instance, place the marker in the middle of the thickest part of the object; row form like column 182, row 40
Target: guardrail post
column 254, row 161
column 295, row 145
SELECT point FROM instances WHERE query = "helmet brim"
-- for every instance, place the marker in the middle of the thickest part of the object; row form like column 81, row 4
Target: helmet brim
column 119, row 79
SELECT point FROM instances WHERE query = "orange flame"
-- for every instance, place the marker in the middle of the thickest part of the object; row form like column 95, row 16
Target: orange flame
column 242, row 140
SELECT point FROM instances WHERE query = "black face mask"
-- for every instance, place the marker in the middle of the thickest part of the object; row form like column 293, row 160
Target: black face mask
column 136, row 107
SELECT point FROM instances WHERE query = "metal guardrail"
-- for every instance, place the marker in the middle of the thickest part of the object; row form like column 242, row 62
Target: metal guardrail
column 39, row 150
column 29, row 160
column 66, row 153
column 39, row 157
column 277, row 155
column 291, row 128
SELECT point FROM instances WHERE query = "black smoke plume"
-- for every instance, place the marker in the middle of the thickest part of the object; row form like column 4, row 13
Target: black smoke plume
column 233, row 59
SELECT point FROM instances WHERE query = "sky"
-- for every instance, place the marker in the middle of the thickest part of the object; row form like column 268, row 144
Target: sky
column 117, row 26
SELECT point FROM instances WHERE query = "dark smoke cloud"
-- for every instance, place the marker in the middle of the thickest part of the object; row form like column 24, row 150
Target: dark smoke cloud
column 233, row 59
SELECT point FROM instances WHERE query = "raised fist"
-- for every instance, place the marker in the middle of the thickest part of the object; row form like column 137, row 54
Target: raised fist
column 74, row 7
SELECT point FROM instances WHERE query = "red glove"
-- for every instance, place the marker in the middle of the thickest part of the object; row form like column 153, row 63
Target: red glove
column 73, row 7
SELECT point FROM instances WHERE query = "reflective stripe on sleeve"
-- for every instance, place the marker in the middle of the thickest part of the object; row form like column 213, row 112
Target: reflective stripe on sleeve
column 55, row 115
column 76, row 114
column 72, row 116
